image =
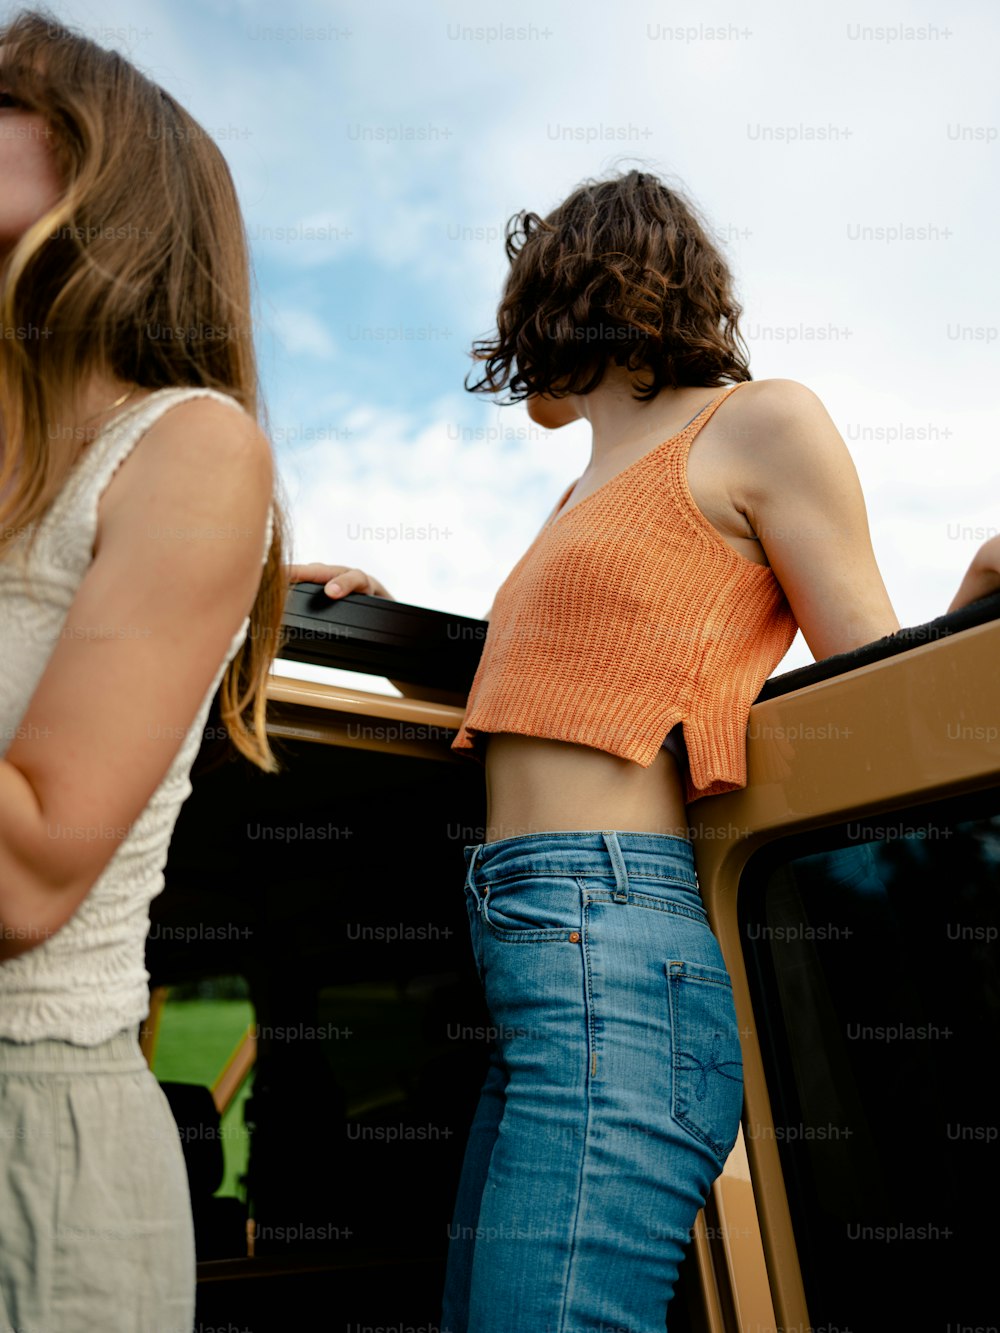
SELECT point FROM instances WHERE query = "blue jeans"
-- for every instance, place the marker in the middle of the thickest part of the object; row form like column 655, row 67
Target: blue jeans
column 614, row 1090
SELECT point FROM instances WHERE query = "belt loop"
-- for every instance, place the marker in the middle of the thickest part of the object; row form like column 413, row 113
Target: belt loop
column 471, row 871
column 618, row 865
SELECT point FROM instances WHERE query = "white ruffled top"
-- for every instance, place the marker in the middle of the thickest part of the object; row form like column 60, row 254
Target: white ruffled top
column 88, row 981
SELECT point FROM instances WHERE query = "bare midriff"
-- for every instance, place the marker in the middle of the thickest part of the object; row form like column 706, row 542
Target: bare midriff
column 535, row 785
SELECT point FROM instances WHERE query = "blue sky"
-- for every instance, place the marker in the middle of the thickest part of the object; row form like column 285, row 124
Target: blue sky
column 846, row 158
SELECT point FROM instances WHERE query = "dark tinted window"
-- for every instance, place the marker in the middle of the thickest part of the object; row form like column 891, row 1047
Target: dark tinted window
column 873, row 964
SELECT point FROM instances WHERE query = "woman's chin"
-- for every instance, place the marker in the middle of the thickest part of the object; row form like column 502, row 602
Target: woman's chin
column 549, row 413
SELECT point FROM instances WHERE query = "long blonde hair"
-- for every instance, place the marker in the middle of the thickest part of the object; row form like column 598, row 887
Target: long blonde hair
column 141, row 272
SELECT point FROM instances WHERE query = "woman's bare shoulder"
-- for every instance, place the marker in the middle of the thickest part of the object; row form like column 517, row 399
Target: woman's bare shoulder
column 198, row 444
column 222, row 418
column 781, row 422
column 776, row 402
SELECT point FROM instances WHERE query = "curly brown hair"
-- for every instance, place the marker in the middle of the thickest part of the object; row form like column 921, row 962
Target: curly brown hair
column 622, row 272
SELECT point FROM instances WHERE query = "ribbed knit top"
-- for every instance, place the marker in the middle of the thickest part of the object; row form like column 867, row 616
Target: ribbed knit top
column 630, row 613
column 88, row 980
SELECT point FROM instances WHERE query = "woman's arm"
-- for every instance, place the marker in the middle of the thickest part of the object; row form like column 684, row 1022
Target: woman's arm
column 176, row 568
column 797, row 485
column 982, row 577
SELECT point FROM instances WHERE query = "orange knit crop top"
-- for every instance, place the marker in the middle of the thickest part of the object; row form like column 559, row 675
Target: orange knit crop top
column 630, row 613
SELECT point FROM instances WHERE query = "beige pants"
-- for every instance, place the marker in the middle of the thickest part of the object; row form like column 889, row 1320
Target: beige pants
column 95, row 1217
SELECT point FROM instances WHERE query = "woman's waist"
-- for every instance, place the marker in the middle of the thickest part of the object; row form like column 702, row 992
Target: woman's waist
column 117, row 1054
column 643, row 859
column 535, row 785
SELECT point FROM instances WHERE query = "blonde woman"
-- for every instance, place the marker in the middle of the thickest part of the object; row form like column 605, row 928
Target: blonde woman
column 139, row 543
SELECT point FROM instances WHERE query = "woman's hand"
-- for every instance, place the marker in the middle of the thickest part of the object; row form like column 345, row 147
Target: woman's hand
column 338, row 580
column 982, row 577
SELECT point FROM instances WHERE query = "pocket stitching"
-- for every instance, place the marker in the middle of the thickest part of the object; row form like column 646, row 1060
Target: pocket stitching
column 527, row 935
column 677, row 973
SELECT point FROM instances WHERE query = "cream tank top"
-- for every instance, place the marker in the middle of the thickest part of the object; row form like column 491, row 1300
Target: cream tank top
column 88, row 981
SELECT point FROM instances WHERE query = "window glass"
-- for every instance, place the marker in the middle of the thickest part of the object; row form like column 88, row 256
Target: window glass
column 872, row 956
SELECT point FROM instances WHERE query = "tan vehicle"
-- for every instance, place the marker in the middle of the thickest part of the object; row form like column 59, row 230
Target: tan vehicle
column 854, row 886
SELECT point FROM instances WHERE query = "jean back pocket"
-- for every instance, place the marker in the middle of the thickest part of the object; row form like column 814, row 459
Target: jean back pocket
column 707, row 1076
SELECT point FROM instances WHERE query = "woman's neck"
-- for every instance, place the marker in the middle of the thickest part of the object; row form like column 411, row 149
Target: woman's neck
column 621, row 423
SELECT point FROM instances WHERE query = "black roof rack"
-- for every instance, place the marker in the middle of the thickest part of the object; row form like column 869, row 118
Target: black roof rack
column 382, row 637
column 435, row 648
column 976, row 613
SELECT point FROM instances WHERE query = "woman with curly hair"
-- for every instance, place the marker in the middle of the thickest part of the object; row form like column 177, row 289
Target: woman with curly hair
column 140, row 541
column 625, row 648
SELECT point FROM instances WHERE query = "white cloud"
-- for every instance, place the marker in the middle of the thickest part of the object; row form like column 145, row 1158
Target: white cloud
column 302, row 333
column 526, row 120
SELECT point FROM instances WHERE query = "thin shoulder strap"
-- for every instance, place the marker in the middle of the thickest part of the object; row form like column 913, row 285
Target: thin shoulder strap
column 124, row 437
column 92, row 474
column 557, row 508
column 124, row 432
column 706, row 413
